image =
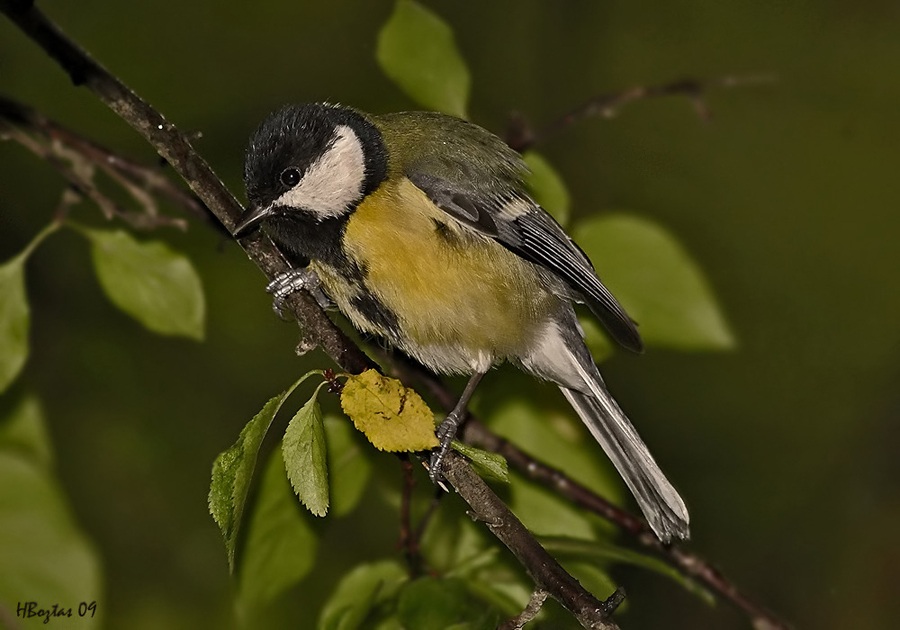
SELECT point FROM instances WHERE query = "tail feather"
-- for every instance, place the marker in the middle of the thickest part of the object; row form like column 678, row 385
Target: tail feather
column 559, row 354
column 660, row 502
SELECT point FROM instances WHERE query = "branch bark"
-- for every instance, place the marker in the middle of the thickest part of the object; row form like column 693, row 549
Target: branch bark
column 521, row 136
column 689, row 563
column 319, row 330
column 78, row 159
column 176, row 149
column 546, row 572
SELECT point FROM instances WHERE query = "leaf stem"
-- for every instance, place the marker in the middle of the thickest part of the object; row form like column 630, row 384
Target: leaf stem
column 49, row 229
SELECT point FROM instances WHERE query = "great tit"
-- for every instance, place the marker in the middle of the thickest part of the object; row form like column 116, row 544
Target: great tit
column 417, row 225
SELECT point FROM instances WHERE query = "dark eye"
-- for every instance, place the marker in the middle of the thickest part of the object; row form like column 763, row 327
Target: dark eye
column 290, row 177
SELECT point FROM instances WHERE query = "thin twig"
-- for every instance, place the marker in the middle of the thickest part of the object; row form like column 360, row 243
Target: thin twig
column 689, row 563
column 57, row 143
column 77, row 178
column 534, row 606
column 428, row 515
column 175, row 148
column 544, row 570
column 521, row 136
column 409, row 540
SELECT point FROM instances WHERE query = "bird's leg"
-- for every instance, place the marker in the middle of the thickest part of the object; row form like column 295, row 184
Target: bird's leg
column 446, row 431
column 295, row 280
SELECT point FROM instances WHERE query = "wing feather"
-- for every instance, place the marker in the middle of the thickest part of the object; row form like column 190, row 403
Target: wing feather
column 526, row 229
column 492, row 200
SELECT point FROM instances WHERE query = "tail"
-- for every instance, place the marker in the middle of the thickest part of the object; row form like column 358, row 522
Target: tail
column 659, row 501
column 558, row 354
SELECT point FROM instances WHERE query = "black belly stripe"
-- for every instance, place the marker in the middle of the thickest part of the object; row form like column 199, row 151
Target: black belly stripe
column 383, row 319
column 304, row 237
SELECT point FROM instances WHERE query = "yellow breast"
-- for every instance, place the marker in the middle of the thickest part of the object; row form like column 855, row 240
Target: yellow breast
column 448, row 286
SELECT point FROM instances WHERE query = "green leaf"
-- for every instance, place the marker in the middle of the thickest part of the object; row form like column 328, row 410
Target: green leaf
column 560, row 440
column 563, row 547
column 45, row 557
column 25, row 432
column 454, row 543
column 547, row 187
column 458, row 547
column 14, row 320
column 563, row 443
column 444, row 603
column 488, row 465
column 14, row 311
column 596, row 339
column 546, row 513
column 595, row 579
column 150, row 282
column 349, row 469
column 232, row 472
column 656, row 280
column 359, row 592
column 504, row 588
column 303, row 450
column 417, row 51
column 280, row 547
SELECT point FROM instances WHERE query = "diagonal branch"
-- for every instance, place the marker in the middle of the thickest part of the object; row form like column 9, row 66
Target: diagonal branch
column 175, row 148
column 521, row 136
column 409, row 539
column 686, row 561
column 689, row 563
column 78, row 159
column 546, row 572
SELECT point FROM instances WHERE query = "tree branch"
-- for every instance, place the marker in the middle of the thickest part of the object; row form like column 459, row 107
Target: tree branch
column 518, row 622
column 521, row 136
column 175, row 148
column 77, row 159
column 409, row 539
column 689, row 563
column 546, row 572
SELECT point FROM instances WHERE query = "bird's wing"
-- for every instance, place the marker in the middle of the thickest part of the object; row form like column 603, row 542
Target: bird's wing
column 473, row 176
column 522, row 226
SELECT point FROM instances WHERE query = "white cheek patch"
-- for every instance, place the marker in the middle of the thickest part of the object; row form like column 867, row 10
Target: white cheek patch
column 334, row 181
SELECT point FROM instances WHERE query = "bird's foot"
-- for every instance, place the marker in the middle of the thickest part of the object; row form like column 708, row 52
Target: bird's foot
column 446, row 431
column 289, row 282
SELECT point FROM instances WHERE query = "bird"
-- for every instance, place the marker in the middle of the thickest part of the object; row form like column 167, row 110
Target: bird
column 418, row 226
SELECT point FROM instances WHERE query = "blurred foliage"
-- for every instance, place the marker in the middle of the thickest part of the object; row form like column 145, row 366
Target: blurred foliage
column 416, row 49
column 658, row 283
column 46, row 558
column 150, row 282
column 547, row 187
column 280, row 548
column 14, row 320
column 784, row 449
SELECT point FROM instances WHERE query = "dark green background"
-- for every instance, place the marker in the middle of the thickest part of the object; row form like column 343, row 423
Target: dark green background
column 785, row 450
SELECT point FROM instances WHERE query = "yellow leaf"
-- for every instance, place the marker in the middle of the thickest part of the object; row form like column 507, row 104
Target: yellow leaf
column 393, row 417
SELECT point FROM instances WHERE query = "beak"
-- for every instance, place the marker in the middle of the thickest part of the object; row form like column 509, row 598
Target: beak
column 250, row 220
